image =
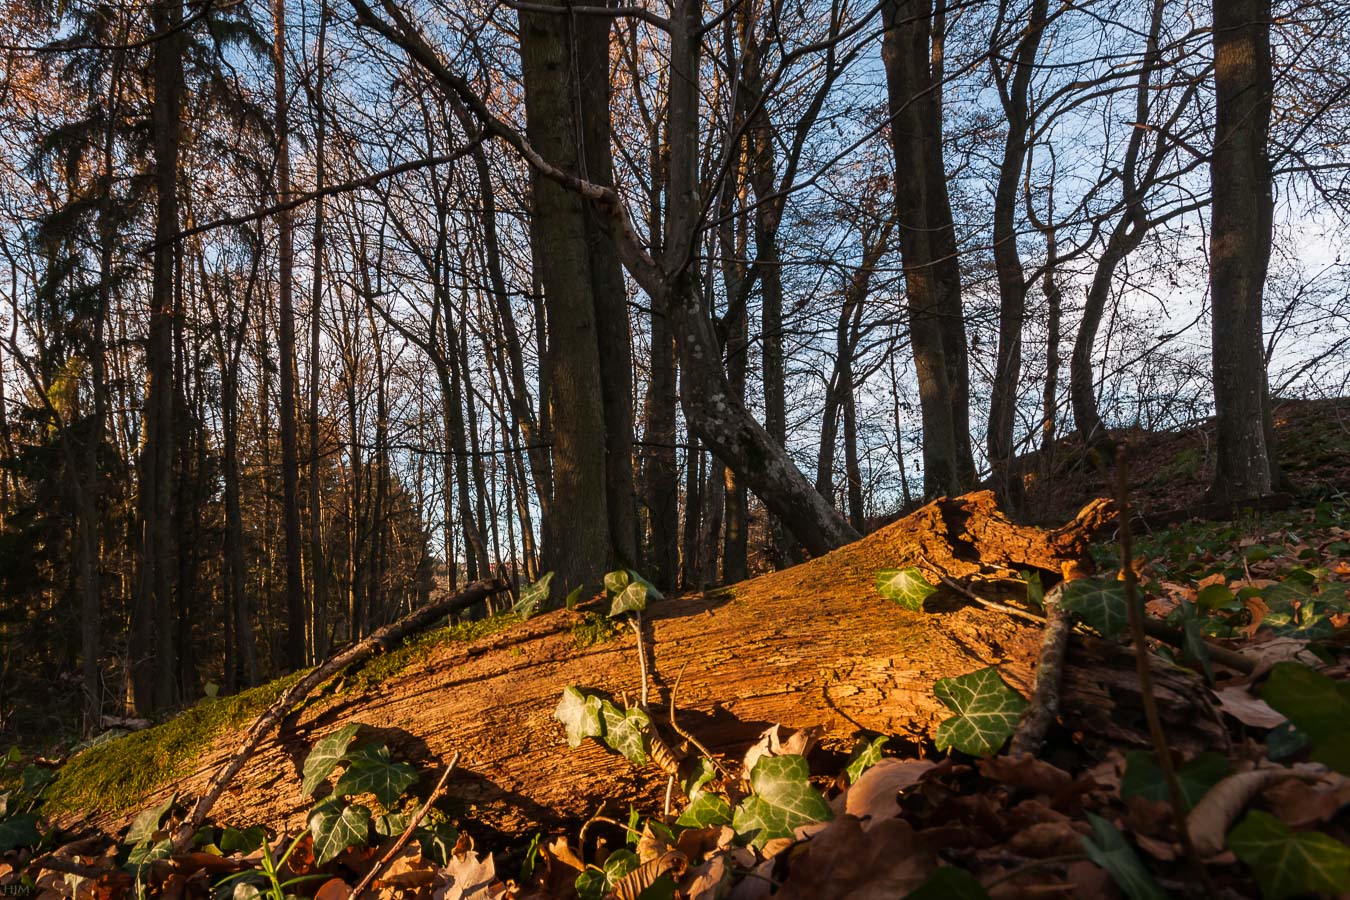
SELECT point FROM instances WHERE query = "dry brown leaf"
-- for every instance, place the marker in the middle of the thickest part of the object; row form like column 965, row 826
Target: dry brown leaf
column 756, row 884
column 672, row 863
column 710, row 881
column 697, row 843
column 1209, row 821
column 778, row 741
column 874, row 796
column 1249, row 710
column 1047, row 839
column 1300, row 804
column 333, row 889
column 1026, row 771
column 844, row 861
column 408, row 870
column 650, row 846
column 467, row 878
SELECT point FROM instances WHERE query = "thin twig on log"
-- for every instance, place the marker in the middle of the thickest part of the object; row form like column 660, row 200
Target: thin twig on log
column 1044, row 708
column 382, row 639
column 991, row 604
column 407, row 832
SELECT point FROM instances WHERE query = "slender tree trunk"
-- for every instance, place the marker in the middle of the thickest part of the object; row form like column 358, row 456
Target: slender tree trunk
column 1012, row 288
column 317, row 556
column 1240, row 238
column 152, row 649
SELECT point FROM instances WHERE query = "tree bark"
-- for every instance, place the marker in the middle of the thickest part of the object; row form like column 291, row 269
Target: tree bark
column 1240, row 238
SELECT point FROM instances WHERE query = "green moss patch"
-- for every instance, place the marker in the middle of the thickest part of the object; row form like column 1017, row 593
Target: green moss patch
column 594, row 628
column 115, row 775
column 381, row 668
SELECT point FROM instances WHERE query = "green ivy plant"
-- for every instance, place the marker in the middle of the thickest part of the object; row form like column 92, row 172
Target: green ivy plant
column 18, row 806
column 987, row 712
column 338, row 822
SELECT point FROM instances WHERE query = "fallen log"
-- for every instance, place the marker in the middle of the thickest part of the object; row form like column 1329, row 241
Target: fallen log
column 814, row 645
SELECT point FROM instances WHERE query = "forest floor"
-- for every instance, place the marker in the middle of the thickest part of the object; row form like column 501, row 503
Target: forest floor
column 847, row 716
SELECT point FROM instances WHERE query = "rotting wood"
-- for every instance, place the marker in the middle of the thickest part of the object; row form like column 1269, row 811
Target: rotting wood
column 1044, row 708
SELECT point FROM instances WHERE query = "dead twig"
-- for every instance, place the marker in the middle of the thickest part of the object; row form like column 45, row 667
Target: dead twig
column 272, row 716
column 407, row 832
column 1044, row 708
column 67, row 867
column 990, row 604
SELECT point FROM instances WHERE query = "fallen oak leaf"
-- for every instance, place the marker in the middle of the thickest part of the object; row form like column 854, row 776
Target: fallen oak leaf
column 1241, row 705
column 874, row 796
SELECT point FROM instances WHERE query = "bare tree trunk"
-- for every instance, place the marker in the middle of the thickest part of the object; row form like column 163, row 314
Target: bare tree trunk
column 317, row 558
column 152, row 649
column 911, row 51
column 1240, row 237
column 1014, row 93
column 591, row 46
column 297, row 649
column 578, row 545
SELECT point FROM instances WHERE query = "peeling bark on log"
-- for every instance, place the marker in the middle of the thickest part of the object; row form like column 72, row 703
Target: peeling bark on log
column 814, row 645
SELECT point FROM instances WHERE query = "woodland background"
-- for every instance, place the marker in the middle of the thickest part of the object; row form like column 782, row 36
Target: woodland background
column 310, row 307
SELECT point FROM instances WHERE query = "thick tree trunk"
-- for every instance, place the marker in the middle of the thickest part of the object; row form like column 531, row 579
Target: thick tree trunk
column 1240, row 237
column 743, row 663
column 613, row 332
column 578, row 545
column 911, row 51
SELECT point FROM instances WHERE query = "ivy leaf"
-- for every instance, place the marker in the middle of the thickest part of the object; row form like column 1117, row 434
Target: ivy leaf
column 1099, row 602
column 783, row 799
column 144, row 826
column 618, row 864
column 1144, row 777
column 950, row 883
column 906, row 587
column 706, row 809
column 624, row 731
column 437, row 842
column 1215, row 596
column 19, row 831
column 325, row 756
column 34, row 779
column 1317, row 706
column 234, row 840
column 631, row 599
column 392, row 824
column 1288, row 863
column 616, row 581
column 580, row 715
column 986, row 710
column 385, row 779
column 702, row 774
column 532, row 596
column 1108, row 848
column 337, row 826
column 591, row 885
column 144, row 854
column 866, row 755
